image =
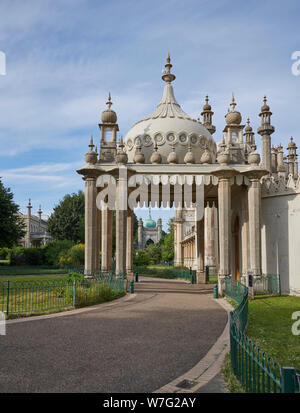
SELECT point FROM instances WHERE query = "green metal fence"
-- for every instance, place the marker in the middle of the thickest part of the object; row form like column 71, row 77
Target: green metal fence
column 171, row 273
column 17, row 297
column 257, row 372
column 267, row 284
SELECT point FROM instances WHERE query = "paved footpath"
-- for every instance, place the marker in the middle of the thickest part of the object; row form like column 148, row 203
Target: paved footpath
column 136, row 344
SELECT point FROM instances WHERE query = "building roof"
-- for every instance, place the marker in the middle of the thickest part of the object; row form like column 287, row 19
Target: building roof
column 168, row 125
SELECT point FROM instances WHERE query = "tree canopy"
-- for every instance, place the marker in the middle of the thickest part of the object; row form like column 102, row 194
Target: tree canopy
column 67, row 220
column 11, row 224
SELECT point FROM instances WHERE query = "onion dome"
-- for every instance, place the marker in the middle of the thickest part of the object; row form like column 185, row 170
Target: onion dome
column 155, row 157
column 172, row 158
column 149, row 222
column 139, row 156
column 265, row 107
column 189, row 156
column 254, row 158
column 291, row 144
column 207, row 106
column 233, row 117
column 206, row 157
column 109, row 115
column 91, row 156
column 248, row 127
column 223, row 158
column 166, row 125
column 121, row 156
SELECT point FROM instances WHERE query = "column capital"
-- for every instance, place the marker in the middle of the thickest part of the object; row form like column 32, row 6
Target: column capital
column 225, row 172
column 89, row 178
column 255, row 173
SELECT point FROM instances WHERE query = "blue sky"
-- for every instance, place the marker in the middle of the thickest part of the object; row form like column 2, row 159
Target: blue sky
column 63, row 56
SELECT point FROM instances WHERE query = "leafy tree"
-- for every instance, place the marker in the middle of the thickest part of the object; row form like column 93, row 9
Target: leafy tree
column 67, row 220
column 11, row 224
column 141, row 257
column 54, row 249
column 154, row 252
column 167, row 247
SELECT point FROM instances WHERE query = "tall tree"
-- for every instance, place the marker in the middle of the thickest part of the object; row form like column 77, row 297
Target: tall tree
column 167, row 248
column 67, row 220
column 12, row 226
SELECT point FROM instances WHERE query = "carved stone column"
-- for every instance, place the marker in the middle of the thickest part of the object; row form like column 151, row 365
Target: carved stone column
column 224, row 207
column 121, row 221
column 210, row 249
column 178, row 233
column 98, row 240
column 106, row 239
column 254, row 218
column 129, row 246
column 201, row 277
column 245, row 232
column 90, row 225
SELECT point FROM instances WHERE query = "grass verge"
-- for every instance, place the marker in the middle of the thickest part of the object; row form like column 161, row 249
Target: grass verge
column 7, row 270
column 270, row 328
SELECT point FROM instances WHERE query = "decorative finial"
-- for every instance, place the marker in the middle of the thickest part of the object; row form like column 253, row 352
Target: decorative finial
column 91, row 145
column 233, row 104
column 167, row 76
column 29, row 202
column 206, row 99
column 248, row 122
column 109, row 102
column 265, row 99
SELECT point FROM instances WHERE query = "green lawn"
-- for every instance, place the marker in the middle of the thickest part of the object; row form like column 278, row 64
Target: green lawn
column 269, row 326
column 53, row 294
column 30, row 270
column 45, row 277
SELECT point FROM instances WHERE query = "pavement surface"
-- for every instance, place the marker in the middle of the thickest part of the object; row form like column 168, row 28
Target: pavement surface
column 135, row 345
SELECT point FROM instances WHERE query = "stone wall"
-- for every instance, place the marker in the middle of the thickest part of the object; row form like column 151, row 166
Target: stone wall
column 281, row 238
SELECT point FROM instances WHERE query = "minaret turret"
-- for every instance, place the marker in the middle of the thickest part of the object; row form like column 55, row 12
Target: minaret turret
column 292, row 158
column 234, row 134
column 281, row 170
column 28, row 219
column 108, row 133
column 140, row 233
column 207, row 117
column 40, row 217
column 159, row 229
column 265, row 130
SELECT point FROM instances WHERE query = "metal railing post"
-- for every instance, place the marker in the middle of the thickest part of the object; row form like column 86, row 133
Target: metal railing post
column 7, row 298
column 74, row 293
column 288, row 380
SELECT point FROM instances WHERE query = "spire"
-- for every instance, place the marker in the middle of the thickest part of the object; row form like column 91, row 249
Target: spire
column 109, row 102
column 91, row 145
column 232, row 104
column 167, row 76
column 91, row 156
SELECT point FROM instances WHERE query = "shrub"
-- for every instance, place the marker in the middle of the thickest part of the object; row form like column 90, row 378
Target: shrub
column 141, row 258
column 53, row 251
column 33, row 256
column 5, row 253
column 17, row 256
column 76, row 254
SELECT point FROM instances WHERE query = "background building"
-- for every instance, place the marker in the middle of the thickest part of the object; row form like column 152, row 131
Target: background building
column 36, row 229
column 148, row 231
